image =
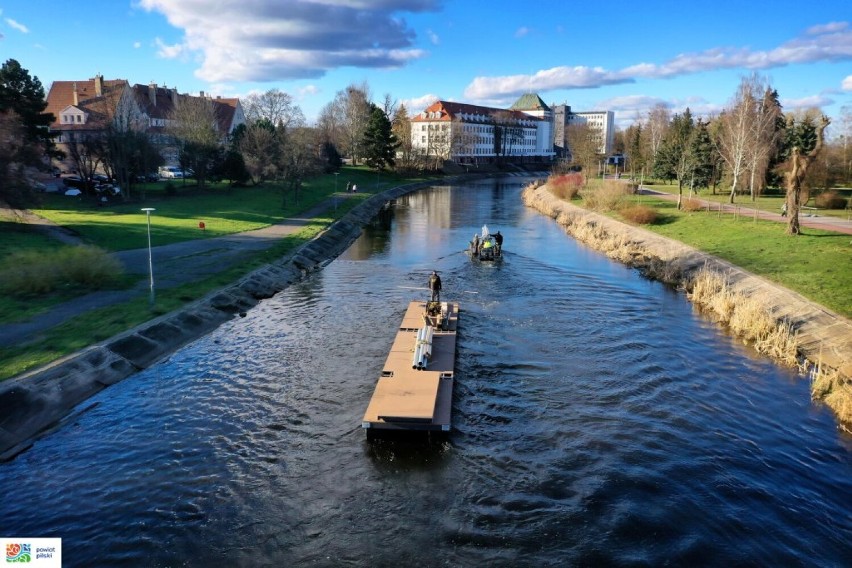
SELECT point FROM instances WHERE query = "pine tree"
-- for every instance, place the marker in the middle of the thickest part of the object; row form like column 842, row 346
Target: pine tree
column 24, row 95
column 379, row 143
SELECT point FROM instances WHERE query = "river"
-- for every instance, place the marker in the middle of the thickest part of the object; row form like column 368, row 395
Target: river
column 598, row 420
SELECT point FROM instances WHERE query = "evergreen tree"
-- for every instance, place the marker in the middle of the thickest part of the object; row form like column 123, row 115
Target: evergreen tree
column 25, row 96
column 379, row 143
column 776, row 156
column 702, row 159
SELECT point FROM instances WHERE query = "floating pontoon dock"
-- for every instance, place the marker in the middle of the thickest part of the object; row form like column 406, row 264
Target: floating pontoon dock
column 415, row 389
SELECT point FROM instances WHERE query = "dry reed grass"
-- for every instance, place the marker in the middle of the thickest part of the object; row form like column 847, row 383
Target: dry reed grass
column 609, row 196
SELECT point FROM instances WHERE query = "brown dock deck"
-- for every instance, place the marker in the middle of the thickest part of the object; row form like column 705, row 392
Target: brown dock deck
column 417, row 399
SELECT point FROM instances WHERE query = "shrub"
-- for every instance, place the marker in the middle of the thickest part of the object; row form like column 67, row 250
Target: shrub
column 830, row 200
column 607, row 197
column 640, row 214
column 691, row 205
column 566, row 186
column 38, row 272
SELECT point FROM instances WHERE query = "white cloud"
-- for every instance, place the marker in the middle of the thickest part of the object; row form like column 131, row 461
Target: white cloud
column 813, row 101
column 17, row 25
column 831, row 42
column 137, row 44
column 579, row 77
column 168, row 51
column 308, row 91
column 522, row 31
column 846, row 85
column 827, row 28
column 415, row 105
column 433, row 37
column 265, row 40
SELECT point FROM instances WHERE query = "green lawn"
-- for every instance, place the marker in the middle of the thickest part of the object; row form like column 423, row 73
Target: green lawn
column 223, row 209
column 816, row 264
column 119, row 227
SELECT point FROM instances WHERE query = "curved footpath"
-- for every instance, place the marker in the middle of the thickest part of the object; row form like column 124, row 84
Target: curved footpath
column 32, row 403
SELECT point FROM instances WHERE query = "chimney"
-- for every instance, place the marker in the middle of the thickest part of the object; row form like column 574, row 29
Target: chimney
column 76, row 99
column 202, row 94
column 99, row 85
column 152, row 93
column 174, row 96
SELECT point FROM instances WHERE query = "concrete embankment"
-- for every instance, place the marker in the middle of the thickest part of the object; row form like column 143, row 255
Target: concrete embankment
column 823, row 337
column 36, row 401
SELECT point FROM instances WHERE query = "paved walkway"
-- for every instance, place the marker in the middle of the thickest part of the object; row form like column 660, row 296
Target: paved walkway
column 806, row 218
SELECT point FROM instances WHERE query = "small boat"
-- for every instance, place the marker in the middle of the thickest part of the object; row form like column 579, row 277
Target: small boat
column 415, row 389
column 485, row 246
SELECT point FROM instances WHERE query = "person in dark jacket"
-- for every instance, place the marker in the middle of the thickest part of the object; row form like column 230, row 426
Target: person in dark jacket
column 499, row 238
column 435, row 286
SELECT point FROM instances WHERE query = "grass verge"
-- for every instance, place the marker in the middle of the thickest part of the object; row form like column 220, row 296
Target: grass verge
column 99, row 325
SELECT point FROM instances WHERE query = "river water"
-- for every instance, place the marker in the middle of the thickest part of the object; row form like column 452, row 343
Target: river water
column 598, row 420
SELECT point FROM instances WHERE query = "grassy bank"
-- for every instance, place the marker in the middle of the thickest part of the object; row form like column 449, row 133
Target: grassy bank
column 99, row 325
column 223, row 210
column 815, row 264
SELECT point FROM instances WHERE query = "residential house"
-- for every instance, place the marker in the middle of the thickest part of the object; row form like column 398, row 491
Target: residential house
column 84, row 108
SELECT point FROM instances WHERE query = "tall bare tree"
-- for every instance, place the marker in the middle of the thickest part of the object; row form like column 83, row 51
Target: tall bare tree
column 763, row 134
column 300, row 160
column 401, row 125
column 803, row 150
column 258, row 144
column 583, row 144
column 195, row 126
column 275, row 106
column 659, row 119
column 735, row 133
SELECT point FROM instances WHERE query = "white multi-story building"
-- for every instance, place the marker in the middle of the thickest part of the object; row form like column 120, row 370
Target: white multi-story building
column 528, row 131
column 602, row 122
column 477, row 134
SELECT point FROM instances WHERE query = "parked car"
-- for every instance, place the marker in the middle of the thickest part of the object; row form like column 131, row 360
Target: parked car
column 171, row 172
column 73, row 192
column 101, row 178
column 107, row 189
column 74, row 181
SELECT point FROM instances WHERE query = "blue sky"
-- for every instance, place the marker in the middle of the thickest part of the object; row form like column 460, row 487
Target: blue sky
column 625, row 57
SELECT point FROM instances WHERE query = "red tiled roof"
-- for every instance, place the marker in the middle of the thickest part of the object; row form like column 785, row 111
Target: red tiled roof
column 61, row 96
column 450, row 111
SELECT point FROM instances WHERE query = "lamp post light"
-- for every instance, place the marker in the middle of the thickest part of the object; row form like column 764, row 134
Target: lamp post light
column 147, row 211
column 335, row 190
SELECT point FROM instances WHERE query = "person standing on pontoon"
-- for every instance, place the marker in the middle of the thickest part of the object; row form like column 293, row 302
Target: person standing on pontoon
column 435, row 286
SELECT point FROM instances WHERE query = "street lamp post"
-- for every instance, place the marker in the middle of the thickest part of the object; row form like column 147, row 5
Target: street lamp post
column 335, row 190
column 147, row 211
